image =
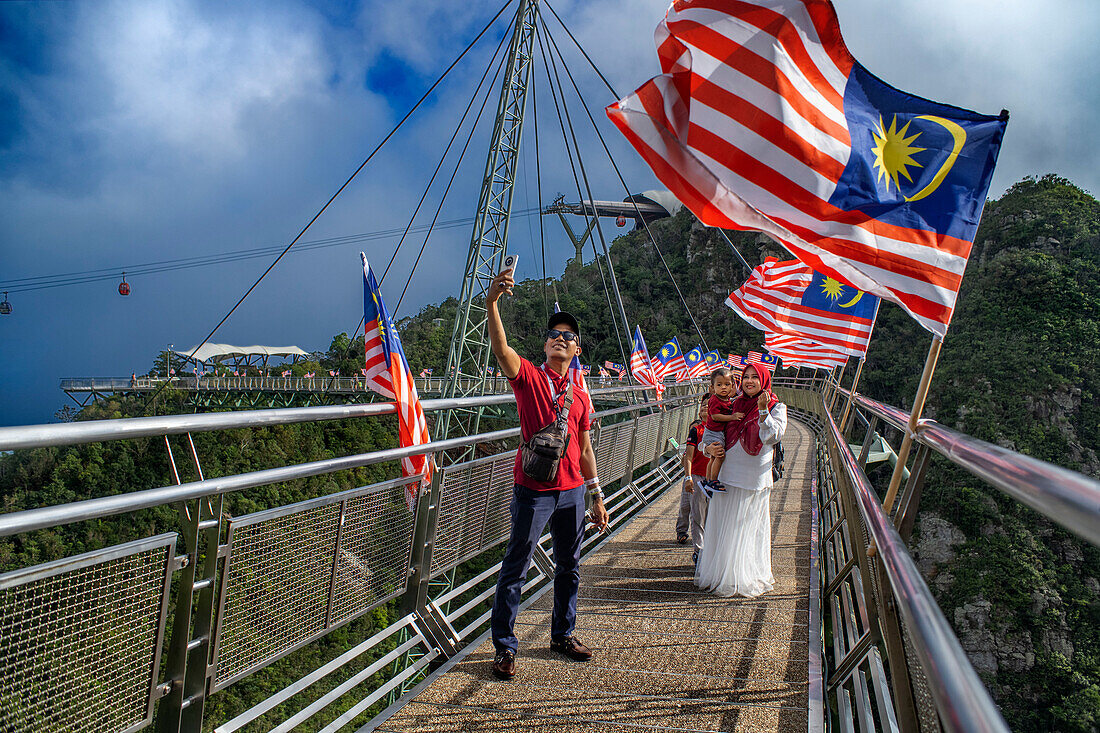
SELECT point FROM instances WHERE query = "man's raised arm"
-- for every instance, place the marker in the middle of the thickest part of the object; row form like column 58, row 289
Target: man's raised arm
column 507, row 358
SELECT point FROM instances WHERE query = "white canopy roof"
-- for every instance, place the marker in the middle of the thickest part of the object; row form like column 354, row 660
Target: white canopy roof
column 217, row 352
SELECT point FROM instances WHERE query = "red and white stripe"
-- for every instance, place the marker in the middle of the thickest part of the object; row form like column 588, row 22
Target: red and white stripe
column 750, row 108
column 797, row 352
column 771, row 300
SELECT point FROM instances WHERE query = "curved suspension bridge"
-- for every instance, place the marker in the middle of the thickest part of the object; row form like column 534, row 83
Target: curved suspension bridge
column 142, row 634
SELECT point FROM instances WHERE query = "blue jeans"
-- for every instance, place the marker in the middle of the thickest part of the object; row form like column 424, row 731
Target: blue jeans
column 531, row 510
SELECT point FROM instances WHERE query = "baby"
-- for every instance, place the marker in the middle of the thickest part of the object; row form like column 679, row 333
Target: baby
column 719, row 415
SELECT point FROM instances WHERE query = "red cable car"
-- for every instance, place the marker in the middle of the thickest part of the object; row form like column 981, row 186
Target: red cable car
column 124, row 287
column 621, row 221
column 5, row 306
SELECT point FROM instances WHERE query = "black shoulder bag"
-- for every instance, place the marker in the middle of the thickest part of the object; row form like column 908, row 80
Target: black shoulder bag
column 541, row 455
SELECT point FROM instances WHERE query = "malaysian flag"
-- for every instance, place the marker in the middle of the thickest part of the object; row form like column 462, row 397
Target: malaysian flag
column 696, row 364
column 797, row 352
column 790, row 298
column 425, row 372
column 490, row 371
column 388, row 374
column 733, row 361
column 286, row 373
column 641, row 366
column 755, row 357
column 669, row 360
column 616, row 367
column 577, row 373
column 714, row 360
column 310, row 375
column 763, row 120
column 604, row 374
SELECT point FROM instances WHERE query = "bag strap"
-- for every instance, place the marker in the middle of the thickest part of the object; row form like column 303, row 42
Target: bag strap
column 563, row 411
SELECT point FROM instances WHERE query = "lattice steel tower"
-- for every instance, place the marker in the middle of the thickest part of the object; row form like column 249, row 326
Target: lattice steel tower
column 469, row 353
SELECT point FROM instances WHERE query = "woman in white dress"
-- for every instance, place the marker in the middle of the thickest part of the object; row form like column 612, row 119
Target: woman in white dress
column 737, row 550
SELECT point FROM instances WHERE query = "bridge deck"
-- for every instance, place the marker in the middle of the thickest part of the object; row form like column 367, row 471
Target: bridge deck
column 667, row 657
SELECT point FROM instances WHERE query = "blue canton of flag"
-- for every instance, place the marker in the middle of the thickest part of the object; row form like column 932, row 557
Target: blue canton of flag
column 669, row 360
column 696, row 363
column 832, row 296
column 714, row 359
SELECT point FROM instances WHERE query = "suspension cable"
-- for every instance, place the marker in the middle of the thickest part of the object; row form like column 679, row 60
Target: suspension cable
column 340, row 190
column 454, row 173
column 576, row 180
column 645, row 224
column 442, row 158
column 538, row 192
column 458, row 128
column 581, row 49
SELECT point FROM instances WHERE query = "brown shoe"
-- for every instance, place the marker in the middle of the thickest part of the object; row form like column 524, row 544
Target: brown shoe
column 504, row 665
column 570, row 647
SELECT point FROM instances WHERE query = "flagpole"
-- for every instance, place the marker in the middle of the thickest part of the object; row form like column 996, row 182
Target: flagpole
column 836, row 390
column 859, row 371
column 914, row 418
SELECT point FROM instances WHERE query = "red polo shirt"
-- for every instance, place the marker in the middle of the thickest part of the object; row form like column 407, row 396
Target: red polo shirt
column 537, row 409
column 699, row 461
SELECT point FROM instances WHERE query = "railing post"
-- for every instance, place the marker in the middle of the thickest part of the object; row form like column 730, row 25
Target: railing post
column 415, row 599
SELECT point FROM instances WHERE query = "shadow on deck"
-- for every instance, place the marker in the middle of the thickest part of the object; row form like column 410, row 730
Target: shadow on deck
column 667, row 657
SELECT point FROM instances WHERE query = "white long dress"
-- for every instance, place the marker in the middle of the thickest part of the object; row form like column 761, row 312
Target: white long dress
column 737, row 546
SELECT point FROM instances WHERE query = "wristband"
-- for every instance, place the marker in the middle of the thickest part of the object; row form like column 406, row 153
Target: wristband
column 594, row 481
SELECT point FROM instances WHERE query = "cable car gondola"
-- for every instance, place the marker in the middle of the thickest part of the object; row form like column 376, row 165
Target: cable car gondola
column 124, row 287
column 5, row 306
column 621, row 221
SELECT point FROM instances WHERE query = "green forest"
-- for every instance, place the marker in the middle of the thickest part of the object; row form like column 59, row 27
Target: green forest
column 1020, row 368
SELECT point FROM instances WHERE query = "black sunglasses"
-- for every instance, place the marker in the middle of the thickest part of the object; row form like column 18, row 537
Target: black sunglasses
column 553, row 333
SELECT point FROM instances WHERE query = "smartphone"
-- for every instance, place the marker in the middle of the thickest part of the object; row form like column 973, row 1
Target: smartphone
column 510, row 263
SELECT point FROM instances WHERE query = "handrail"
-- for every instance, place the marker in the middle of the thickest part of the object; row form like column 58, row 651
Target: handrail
column 1069, row 498
column 32, row 519
column 93, row 431
column 1066, row 497
column 961, row 698
column 892, row 415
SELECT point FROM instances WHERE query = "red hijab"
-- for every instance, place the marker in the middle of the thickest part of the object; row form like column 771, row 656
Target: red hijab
column 747, row 429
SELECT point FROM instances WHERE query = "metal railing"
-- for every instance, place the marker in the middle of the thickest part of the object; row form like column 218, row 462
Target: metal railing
column 83, row 637
column 876, row 601
column 251, row 590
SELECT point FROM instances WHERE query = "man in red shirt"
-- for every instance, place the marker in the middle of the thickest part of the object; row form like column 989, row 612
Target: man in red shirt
column 540, row 394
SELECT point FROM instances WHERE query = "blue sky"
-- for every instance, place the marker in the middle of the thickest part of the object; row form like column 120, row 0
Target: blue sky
column 135, row 131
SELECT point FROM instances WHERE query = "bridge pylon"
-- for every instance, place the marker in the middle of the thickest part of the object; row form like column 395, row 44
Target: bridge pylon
column 469, row 352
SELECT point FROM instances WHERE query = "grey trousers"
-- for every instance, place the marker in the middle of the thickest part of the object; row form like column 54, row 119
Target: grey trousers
column 693, row 514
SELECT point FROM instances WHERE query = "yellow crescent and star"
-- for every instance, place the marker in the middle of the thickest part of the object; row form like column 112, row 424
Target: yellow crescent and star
column 833, row 290
column 894, row 152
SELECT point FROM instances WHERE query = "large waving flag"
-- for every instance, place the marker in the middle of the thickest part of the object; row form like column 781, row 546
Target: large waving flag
column 387, row 373
column 669, row 360
column 798, row 352
column 763, row 120
column 696, row 363
column 790, row 298
column 641, row 366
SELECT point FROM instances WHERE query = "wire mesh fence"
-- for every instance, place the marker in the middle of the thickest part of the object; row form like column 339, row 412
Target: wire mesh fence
column 80, row 639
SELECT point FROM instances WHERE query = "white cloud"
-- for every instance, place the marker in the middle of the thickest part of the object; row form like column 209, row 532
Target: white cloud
column 169, row 73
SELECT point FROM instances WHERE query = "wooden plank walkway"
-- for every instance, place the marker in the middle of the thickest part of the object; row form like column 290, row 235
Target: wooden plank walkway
column 667, row 657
